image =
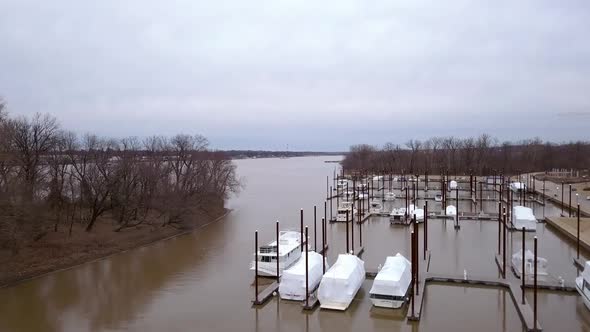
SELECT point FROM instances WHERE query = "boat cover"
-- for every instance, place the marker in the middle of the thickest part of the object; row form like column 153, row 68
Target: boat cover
column 529, row 263
column 394, row 278
column 292, row 285
column 523, row 217
column 342, row 281
column 451, row 210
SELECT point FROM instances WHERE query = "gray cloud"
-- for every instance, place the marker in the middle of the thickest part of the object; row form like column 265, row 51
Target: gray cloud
column 311, row 74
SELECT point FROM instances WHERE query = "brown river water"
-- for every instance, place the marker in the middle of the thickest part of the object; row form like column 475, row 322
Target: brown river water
column 201, row 281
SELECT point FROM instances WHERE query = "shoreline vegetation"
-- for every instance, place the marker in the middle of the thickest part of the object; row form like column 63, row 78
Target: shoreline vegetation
column 67, row 199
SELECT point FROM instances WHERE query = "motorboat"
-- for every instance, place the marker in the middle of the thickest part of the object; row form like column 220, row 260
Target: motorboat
column 341, row 282
column 438, row 198
column 292, row 285
column 289, row 251
column 392, row 284
column 390, row 196
column 524, row 217
column 376, row 207
column 529, row 264
column 583, row 285
column 397, row 214
column 345, row 211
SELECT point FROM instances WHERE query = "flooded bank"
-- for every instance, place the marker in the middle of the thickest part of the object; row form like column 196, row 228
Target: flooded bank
column 202, row 282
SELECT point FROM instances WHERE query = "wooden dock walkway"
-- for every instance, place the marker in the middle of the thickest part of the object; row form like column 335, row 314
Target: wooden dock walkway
column 568, row 227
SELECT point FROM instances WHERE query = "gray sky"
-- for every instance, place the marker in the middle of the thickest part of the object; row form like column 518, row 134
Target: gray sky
column 317, row 75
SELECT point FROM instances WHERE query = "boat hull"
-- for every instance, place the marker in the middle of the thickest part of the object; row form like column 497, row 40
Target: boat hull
column 391, row 304
column 586, row 300
column 341, row 306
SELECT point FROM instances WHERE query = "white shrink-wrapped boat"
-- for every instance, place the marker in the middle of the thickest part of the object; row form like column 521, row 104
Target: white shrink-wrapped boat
column 524, row 217
column 517, row 186
column 419, row 213
column 529, row 264
column 392, row 284
column 583, row 285
column 341, row 282
column 438, row 198
column 452, row 185
column 292, row 286
column 451, row 210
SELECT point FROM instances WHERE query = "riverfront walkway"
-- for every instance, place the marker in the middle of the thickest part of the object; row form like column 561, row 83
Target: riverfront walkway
column 569, row 227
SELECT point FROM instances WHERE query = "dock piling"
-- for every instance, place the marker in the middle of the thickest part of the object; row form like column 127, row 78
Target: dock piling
column 504, row 247
column 570, row 203
column 301, row 230
column 256, row 266
column 578, row 234
column 278, row 268
column 323, row 246
column 523, row 273
column 347, row 248
column 425, row 228
column 306, row 269
column 535, row 290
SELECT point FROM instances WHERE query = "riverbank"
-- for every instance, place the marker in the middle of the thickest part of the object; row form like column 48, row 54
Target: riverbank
column 58, row 251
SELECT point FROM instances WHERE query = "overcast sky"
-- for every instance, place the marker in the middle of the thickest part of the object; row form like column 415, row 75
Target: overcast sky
column 316, row 75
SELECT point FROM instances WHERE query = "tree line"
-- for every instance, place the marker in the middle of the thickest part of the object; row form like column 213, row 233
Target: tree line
column 52, row 179
column 483, row 155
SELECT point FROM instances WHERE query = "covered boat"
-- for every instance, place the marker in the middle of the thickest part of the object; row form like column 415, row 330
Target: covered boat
column 376, row 207
column 438, row 198
column 583, row 285
column 529, row 264
column 517, row 186
column 419, row 213
column 524, row 217
column 392, row 284
column 341, row 282
column 390, row 196
column 451, row 210
column 452, row 185
column 292, row 286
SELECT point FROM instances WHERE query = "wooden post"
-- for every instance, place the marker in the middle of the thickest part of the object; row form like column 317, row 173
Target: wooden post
column 301, row 230
column 535, row 290
column 361, row 234
column 352, row 229
column 306, row 270
column 499, row 225
column 504, row 248
column 416, row 246
column 326, row 210
column 562, row 203
column 315, row 230
column 347, row 248
column 323, row 246
column 523, row 273
column 413, row 272
column 327, row 186
column 569, row 210
column 425, row 228
column 457, row 211
column 337, row 203
column 481, row 196
column 278, row 267
column 578, row 234
column 543, row 198
column 256, row 266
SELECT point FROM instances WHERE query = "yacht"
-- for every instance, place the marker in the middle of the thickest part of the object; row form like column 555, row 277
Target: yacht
column 341, row 282
column 583, row 285
column 342, row 211
column 289, row 249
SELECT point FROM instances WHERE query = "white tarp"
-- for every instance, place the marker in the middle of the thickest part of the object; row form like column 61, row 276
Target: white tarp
column 341, row 282
column 453, row 185
column 419, row 214
column 517, row 186
column 529, row 263
column 451, row 210
column 394, row 278
column 292, row 285
column 524, row 217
